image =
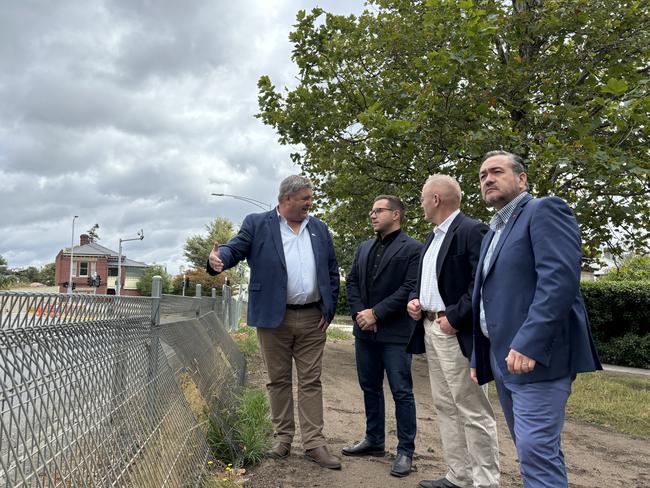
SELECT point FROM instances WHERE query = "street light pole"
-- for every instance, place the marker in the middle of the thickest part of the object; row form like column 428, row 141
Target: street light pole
column 118, row 284
column 252, row 201
column 71, row 255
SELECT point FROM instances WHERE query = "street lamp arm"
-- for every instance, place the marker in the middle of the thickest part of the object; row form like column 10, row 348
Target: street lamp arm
column 118, row 284
column 252, row 201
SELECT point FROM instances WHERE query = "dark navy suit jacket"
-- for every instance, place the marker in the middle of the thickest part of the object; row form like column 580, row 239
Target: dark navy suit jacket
column 260, row 243
column 388, row 293
column 455, row 269
column 531, row 294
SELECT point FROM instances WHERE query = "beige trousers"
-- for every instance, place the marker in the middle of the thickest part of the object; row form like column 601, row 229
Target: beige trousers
column 465, row 417
column 298, row 340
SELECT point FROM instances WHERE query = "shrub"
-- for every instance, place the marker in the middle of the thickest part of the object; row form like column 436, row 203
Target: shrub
column 246, row 339
column 240, row 433
column 629, row 350
column 617, row 307
column 619, row 314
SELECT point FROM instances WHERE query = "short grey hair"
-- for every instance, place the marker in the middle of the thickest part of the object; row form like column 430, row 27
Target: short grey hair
column 293, row 184
column 449, row 182
column 517, row 162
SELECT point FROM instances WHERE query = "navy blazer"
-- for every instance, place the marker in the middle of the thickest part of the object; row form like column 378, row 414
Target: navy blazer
column 259, row 242
column 531, row 294
column 388, row 293
column 455, row 269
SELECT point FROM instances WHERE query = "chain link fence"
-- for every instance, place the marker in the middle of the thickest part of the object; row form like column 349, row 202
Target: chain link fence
column 94, row 388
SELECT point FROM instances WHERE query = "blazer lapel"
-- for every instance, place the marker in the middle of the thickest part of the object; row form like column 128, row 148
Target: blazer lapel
column 315, row 244
column 364, row 252
column 504, row 234
column 446, row 242
column 274, row 224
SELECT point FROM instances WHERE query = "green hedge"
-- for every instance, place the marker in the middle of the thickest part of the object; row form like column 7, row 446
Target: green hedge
column 619, row 313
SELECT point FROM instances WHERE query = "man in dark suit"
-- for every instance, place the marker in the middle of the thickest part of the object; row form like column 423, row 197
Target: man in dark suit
column 382, row 276
column 292, row 295
column 531, row 332
column 441, row 304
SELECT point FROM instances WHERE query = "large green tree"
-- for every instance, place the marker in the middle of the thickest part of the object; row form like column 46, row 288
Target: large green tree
column 414, row 87
column 47, row 273
column 144, row 284
column 197, row 249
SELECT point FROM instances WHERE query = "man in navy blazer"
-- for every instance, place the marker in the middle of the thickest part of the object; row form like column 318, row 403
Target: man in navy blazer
column 442, row 306
column 292, row 296
column 531, row 332
column 382, row 275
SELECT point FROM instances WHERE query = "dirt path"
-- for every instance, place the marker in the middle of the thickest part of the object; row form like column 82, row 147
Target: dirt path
column 595, row 457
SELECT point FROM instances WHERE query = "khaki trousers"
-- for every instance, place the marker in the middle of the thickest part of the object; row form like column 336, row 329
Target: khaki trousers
column 465, row 417
column 296, row 339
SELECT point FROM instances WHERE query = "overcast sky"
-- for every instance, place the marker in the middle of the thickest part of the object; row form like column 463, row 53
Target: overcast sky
column 130, row 113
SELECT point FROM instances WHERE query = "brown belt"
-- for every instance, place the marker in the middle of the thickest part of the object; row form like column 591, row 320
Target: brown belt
column 433, row 315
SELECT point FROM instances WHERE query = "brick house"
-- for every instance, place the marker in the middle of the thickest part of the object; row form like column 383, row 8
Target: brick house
column 94, row 260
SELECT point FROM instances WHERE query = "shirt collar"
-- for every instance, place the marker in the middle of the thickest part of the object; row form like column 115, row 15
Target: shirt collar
column 389, row 237
column 444, row 227
column 284, row 221
column 501, row 217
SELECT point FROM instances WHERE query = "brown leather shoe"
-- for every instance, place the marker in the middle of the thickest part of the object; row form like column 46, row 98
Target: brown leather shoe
column 322, row 457
column 279, row 451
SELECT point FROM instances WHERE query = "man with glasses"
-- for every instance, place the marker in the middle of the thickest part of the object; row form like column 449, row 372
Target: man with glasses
column 382, row 276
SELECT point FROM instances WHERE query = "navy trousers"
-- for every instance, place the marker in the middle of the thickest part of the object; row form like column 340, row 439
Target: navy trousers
column 373, row 359
column 534, row 413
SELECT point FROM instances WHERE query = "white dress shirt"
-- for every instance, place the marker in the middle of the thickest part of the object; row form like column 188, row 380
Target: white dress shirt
column 302, row 282
column 430, row 298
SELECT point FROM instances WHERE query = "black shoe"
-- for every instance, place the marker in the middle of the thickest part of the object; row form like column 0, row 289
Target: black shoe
column 401, row 466
column 364, row 448
column 441, row 483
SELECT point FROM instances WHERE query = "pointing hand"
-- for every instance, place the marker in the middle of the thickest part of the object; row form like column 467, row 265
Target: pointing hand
column 215, row 260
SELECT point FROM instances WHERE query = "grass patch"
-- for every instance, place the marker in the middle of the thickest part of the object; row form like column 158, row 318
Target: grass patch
column 246, row 339
column 614, row 401
column 336, row 334
column 240, row 435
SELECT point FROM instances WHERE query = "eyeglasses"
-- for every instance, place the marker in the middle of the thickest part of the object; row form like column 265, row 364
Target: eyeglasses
column 379, row 210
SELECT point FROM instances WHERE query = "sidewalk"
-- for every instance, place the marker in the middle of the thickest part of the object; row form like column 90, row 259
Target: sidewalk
column 626, row 370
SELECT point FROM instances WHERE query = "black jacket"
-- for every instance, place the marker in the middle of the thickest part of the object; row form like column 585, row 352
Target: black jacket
column 455, row 268
column 389, row 292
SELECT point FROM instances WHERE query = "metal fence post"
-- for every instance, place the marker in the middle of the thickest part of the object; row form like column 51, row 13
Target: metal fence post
column 156, row 295
column 214, row 299
column 225, row 309
column 197, row 300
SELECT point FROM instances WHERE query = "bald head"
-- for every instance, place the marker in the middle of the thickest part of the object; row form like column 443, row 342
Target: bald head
column 441, row 196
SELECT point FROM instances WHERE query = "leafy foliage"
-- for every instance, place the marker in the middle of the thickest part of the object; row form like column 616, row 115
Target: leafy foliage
column 47, row 274
column 92, row 233
column 414, row 87
column 630, row 350
column 145, row 282
column 240, row 433
column 197, row 247
column 199, row 276
column 619, row 314
column 634, row 268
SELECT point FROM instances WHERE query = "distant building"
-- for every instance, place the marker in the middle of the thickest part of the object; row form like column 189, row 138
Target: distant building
column 94, row 269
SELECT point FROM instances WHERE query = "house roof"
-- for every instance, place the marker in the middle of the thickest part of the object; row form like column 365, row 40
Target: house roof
column 94, row 249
